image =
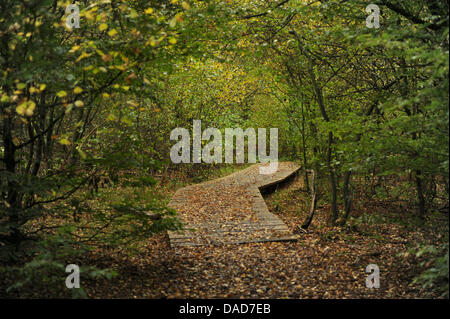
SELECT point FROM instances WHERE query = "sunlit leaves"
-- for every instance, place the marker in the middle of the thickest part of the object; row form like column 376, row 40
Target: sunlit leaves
column 173, row 22
column 33, row 90
column 83, row 56
column 61, row 94
column 5, row 98
column 74, row 49
column 185, row 5
column 77, row 90
column 79, row 103
column 112, row 32
column 64, row 141
column 103, row 27
column 26, row 108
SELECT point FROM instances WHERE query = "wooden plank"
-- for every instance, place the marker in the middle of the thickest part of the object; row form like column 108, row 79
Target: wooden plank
column 216, row 233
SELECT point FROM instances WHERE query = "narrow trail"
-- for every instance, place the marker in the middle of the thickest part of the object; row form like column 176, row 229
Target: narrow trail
column 230, row 210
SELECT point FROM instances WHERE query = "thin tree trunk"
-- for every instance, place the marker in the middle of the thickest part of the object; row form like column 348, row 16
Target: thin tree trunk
column 314, row 198
column 334, row 210
column 420, row 195
column 319, row 97
column 347, row 196
column 305, row 162
column 12, row 196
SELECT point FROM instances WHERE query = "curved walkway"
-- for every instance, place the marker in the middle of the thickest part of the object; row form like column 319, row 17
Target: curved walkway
column 230, row 210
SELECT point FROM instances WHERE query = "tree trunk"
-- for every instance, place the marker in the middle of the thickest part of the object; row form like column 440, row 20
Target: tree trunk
column 347, row 196
column 334, row 210
column 305, row 162
column 12, row 195
column 420, row 195
column 314, row 198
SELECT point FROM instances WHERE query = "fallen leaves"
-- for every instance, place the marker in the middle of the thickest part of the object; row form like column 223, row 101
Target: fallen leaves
column 316, row 266
column 313, row 267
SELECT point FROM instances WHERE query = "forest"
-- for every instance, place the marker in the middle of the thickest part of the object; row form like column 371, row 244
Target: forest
column 110, row 109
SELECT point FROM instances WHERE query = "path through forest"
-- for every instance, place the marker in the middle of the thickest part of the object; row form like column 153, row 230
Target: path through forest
column 231, row 209
column 324, row 262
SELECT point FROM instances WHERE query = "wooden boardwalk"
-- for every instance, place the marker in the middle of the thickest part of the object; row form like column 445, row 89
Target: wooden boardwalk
column 230, row 210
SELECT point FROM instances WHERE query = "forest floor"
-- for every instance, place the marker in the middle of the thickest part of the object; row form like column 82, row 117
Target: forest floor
column 326, row 262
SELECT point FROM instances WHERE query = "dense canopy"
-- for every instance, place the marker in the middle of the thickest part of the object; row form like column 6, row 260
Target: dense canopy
column 90, row 92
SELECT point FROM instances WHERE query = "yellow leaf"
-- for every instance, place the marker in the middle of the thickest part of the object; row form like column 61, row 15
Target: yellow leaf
column 112, row 32
column 74, row 48
column 21, row 109
column 83, row 55
column 30, row 108
column 185, row 5
column 79, row 103
column 64, row 141
column 103, row 27
column 179, row 17
column 107, row 57
column 149, row 11
column 42, row 87
column 105, row 95
column 77, row 90
column 61, row 94
column 133, row 14
column 172, row 40
column 151, row 41
column 26, row 108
